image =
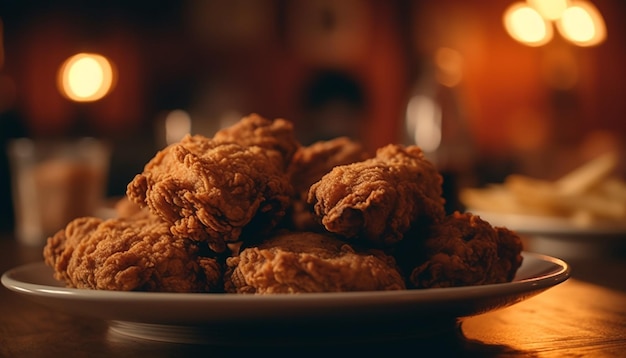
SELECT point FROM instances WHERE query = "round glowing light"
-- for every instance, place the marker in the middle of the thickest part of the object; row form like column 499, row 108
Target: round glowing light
column 582, row 24
column 86, row 77
column 526, row 25
column 549, row 9
column 449, row 63
column 177, row 125
column 423, row 122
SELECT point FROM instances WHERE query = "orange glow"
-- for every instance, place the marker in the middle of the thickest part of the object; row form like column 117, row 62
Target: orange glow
column 449, row 64
column 560, row 68
column 582, row 24
column 86, row 77
column 526, row 25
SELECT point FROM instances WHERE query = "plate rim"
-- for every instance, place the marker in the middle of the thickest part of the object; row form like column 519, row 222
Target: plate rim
column 560, row 274
column 359, row 316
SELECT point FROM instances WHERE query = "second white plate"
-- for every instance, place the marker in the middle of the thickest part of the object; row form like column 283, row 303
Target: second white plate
column 545, row 225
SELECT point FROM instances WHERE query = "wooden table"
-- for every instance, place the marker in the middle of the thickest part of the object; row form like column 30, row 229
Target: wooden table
column 584, row 316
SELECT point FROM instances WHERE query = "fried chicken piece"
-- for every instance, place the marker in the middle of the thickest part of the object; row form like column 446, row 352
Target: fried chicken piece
column 129, row 255
column 59, row 248
column 466, row 250
column 210, row 192
column 310, row 164
column 378, row 199
column 299, row 262
column 254, row 130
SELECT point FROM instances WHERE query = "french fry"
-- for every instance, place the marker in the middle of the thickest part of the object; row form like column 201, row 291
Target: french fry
column 602, row 207
column 539, row 195
column 587, row 195
column 493, row 198
column 612, row 187
column 586, row 176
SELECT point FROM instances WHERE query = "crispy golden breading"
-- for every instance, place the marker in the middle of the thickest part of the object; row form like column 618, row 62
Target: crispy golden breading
column 252, row 211
column 277, row 135
column 310, row 164
column 210, row 192
column 378, row 199
column 465, row 250
column 60, row 247
column 129, row 255
column 298, row 262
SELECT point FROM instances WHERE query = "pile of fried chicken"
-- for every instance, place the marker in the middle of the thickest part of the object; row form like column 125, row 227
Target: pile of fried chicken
column 253, row 211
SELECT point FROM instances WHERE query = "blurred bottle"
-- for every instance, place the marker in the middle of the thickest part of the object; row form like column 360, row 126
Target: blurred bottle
column 435, row 121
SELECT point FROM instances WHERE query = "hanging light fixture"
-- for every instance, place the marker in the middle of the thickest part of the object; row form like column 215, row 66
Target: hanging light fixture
column 526, row 25
column 582, row 24
column 530, row 22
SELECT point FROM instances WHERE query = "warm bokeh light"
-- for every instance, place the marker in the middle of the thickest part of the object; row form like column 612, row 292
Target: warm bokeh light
column 423, row 122
column 582, row 24
column 86, row 77
column 177, row 125
column 549, row 9
column 579, row 22
column 526, row 25
column 449, row 64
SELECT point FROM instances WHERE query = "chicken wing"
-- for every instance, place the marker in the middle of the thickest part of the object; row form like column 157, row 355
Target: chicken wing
column 310, row 164
column 298, row 262
column 129, row 255
column 254, row 130
column 378, row 199
column 210, row 191
column 465, row 250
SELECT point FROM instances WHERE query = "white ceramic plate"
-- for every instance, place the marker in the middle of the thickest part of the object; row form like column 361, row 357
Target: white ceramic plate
column 553, row 226
column 233, row 318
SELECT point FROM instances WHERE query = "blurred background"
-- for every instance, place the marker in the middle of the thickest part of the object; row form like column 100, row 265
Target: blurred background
column 487, row 87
